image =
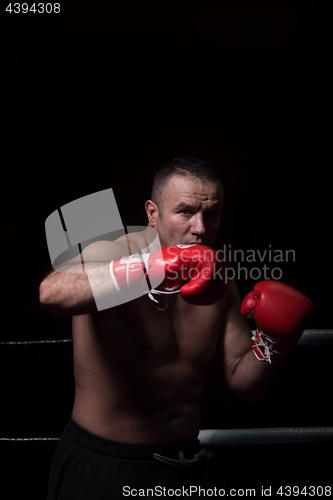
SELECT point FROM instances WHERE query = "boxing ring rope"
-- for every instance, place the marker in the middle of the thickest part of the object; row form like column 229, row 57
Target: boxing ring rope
column 272, row 435
column 223, row 437
column 310, row 337
column 208, row 437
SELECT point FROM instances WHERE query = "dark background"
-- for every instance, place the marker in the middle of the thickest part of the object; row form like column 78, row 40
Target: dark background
column 98, row 97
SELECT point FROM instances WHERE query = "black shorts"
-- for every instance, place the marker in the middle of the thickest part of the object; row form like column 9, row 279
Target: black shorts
column 88, row 467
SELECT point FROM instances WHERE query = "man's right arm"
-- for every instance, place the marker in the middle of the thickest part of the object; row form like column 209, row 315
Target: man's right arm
column 75, row 287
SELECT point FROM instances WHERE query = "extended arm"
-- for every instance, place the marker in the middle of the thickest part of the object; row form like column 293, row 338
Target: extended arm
column 74, row 287
column 111, row 279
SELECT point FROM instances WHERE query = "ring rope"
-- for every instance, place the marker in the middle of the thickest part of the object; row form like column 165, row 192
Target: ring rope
column 273, row 435
column 310, row 337
column 224, row 437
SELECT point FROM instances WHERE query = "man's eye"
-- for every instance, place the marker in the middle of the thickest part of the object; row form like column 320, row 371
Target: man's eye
column 185, row 212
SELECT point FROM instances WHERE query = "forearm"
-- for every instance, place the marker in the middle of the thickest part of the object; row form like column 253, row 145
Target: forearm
column 72, row 292
column 252, row 377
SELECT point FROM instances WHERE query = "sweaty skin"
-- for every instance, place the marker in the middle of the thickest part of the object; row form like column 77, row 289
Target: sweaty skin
column 139, row 371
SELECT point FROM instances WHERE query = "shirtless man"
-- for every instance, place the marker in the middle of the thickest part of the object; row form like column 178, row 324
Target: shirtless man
column 140, row 367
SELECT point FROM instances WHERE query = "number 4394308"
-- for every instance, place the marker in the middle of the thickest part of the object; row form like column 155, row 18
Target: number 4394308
column 36, row 8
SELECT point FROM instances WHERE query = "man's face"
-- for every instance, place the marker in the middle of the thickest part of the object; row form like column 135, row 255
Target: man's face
column 191, row 212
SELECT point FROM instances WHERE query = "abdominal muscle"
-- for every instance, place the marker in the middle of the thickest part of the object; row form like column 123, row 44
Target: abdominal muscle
column 139, row 376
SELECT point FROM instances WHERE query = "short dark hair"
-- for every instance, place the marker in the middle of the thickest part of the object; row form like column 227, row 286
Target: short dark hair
column 194, row 168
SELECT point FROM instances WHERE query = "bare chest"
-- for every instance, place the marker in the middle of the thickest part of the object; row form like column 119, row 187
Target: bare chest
column 142, row 332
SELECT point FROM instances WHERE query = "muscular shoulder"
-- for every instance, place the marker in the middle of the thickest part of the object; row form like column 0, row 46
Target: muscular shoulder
column 127, row 244
column 146, row 241
column 104, row 250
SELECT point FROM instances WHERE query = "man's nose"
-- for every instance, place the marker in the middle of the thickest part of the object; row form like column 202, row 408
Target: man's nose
column 198, row 226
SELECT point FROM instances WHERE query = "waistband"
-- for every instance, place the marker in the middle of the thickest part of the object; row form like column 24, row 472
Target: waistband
column 180, row 453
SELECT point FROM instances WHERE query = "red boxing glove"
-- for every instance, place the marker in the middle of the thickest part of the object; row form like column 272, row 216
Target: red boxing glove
column 197, row 270
column 194, row 269
column 281, row 314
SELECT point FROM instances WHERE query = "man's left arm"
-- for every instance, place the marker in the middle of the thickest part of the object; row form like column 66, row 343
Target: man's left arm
column 245, row 375
column 281, row 314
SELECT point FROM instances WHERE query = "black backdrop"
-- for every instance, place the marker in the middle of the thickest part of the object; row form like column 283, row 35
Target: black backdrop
column 95, row 97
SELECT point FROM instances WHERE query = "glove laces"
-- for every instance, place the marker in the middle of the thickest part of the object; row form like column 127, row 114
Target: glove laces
column 267, row 343
column 161, row 292
column 143, row 259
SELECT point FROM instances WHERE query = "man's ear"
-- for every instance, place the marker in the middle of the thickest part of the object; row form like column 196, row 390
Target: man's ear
column 152, row 212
